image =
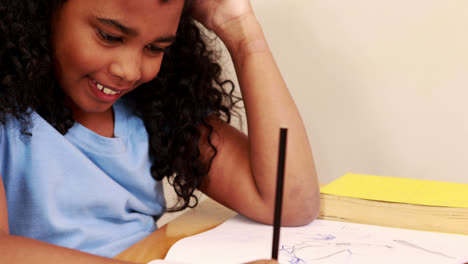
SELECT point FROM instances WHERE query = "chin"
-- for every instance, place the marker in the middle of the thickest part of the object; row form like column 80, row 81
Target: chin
column 92, row 108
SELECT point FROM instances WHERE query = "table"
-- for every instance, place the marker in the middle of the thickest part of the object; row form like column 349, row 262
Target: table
column 207, row 215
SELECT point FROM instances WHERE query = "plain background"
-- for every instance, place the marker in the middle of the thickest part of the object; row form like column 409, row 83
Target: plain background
column 381, row 85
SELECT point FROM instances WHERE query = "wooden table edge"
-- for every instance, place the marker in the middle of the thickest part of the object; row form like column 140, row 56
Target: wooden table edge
column 207, row 215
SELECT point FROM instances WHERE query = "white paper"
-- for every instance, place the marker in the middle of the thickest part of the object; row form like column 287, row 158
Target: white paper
column 240, row 240
column 162, row 261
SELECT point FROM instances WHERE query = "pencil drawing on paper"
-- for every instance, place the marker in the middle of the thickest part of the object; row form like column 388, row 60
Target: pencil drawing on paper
column 405, row 243
column 324, row 247
column 329, row 248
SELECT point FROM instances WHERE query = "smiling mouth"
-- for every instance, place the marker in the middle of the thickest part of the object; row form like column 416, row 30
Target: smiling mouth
column 104, row 89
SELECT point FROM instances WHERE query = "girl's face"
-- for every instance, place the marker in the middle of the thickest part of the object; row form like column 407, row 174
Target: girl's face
column 103, row 49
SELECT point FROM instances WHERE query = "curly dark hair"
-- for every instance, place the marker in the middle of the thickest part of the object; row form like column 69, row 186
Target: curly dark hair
column 174, row 106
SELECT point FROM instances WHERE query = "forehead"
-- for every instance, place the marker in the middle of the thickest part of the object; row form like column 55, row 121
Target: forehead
column 142, row 15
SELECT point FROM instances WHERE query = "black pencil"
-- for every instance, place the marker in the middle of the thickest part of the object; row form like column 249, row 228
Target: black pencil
column 279, row 192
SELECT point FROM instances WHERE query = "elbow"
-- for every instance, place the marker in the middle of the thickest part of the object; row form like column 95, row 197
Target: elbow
column 301, row 212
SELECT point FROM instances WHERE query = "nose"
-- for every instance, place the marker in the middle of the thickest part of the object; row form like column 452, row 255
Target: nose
column 127, row 66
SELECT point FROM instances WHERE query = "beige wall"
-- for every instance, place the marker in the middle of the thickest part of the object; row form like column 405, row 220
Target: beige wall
column 382, row 85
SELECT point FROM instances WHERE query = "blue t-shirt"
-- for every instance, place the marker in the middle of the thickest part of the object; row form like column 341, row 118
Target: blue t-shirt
column 81, row 190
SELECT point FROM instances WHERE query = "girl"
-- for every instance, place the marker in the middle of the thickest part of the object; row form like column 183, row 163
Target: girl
column 102, row 99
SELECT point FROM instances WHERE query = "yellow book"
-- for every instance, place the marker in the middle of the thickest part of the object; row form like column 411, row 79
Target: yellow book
column 399, row 190
column 397, row 202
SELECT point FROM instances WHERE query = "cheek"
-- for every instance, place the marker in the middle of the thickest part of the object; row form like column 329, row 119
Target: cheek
column 89, row 57
column 78, row 58
column 151, row 69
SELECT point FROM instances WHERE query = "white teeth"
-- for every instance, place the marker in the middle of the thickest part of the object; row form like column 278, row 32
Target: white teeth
column 108, row 91
column 105, row 89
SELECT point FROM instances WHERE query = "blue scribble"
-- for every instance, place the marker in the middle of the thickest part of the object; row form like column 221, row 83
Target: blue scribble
column 293, row 259
column 333, row 248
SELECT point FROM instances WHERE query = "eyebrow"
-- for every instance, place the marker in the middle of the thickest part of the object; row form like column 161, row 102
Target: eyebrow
column 132, row 32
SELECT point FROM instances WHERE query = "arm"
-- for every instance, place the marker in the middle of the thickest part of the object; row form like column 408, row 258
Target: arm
column 243, row 174
column 20, row 250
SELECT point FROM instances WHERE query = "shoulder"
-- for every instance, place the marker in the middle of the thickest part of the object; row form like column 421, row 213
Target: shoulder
column 24, row 128
column 8, row 125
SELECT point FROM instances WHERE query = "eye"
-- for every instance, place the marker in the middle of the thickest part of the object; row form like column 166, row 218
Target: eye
column 154, row 50
column 108, row 37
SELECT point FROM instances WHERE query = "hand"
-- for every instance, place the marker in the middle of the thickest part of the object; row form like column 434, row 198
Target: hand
column 214, row 14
